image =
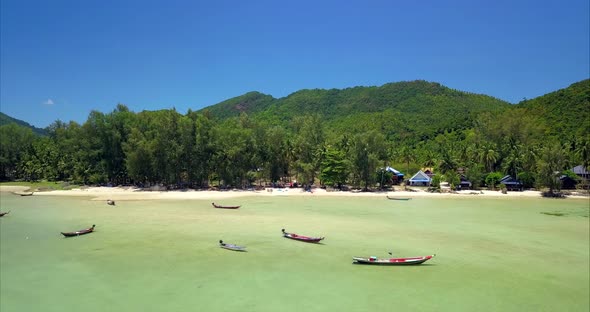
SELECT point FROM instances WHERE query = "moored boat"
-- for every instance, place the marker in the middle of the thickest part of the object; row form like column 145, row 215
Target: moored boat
column 301, row 237
column 23, row 193
column 398, row 198
column 2, row 214
column 391, row 261
column 225, row 207
column 78, row 233
column 231, row 246
column 110, row 202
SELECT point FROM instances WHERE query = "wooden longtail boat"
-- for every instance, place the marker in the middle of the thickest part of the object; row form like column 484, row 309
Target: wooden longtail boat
column 2, row 214
column 398, row 198
column 225, row 207
column 78, row 233
column 301, row 237
column 23, row 193
column 391, row 261
column 231, row 246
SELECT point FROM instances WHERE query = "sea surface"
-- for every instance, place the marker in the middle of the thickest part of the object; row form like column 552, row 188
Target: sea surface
column 524, row 254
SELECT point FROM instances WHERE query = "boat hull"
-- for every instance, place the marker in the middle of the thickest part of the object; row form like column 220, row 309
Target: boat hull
column 397, row 198
column 233, row 247
column 391, row 261
column 225, row 207
column 303, row 238
column 78, row 233
column 23, row 193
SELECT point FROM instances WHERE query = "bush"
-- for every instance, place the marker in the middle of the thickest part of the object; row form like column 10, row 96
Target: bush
column 493, row 178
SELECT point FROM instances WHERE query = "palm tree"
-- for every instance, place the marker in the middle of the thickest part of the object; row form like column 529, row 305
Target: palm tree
column 453, row 178
column 447, row 162
column 429, row 159
column 550, row 165
column 512, row 163
column 489, row 156
column 582, row 152
column 406, row 155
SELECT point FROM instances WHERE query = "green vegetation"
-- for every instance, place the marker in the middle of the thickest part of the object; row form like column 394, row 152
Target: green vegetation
column 5, row 120
column 328, row 137
column 42, row 185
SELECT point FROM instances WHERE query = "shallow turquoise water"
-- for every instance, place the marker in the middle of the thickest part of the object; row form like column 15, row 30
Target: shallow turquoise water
column 491, row 255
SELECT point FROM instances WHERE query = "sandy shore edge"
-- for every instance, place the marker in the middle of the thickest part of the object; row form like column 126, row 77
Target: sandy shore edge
column 131, row 193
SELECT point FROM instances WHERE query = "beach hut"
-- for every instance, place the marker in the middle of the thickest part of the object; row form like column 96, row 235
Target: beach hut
column 511, row 183
column 464, row 184
column 581, row 172
column 567, row 183
column 420, row 178
column 398, row 177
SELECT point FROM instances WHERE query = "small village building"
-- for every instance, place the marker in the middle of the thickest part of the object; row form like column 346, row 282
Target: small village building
column 511, row 183
column 582, row 172
column 567, row 183
column 397, row 178
column 583, row 178
column 428, row 171
column 420, row 179
column 465, row 184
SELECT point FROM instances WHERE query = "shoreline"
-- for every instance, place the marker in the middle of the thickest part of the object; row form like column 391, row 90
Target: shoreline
column 133, row 193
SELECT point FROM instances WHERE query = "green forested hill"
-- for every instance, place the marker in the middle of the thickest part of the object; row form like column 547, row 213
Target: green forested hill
column 331, row 137
column 249, row 103
column 5, row 119
column 419, row 108
column 566, row 112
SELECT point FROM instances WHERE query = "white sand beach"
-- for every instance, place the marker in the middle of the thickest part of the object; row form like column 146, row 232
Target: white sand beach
column 133, row 193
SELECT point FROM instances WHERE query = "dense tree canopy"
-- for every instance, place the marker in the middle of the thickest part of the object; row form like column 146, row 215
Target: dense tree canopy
column 330, row 137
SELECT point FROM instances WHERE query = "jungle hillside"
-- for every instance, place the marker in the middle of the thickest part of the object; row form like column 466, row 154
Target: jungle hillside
column 329, row 138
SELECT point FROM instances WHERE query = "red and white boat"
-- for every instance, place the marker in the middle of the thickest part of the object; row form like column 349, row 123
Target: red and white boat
column 301, row 237
column 391, row 261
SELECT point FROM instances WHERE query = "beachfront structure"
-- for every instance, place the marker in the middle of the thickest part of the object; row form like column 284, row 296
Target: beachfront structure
column 581, row 172
column 398, row 177
column 420, row 178
column 583, row 178
column 464, row 184
column 567, row 183
column 511, row 183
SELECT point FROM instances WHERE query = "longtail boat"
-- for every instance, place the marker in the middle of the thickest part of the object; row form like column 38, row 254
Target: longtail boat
column 391, row 261
column 78, row 233
column 398, row 198
column 2, row 214
column 225, row 207
column 301, row 237
column 23, row 193
column 231, row 246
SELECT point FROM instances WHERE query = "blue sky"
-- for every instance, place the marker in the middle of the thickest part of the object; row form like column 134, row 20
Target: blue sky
column 62, row 59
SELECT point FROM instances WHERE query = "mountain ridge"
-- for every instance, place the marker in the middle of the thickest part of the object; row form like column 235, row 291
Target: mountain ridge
column 5, row 119
column 347, row 100
column 396, row 105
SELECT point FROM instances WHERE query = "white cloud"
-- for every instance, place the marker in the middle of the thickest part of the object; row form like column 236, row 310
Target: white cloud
column 48, row 102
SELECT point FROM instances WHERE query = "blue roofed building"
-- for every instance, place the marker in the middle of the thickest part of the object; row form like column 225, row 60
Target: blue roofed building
column 420, row 179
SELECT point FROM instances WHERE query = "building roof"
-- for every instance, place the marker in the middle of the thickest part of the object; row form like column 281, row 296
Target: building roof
column 397, row 173
column 510, row 181
column 420, row 176
column 580, row 170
